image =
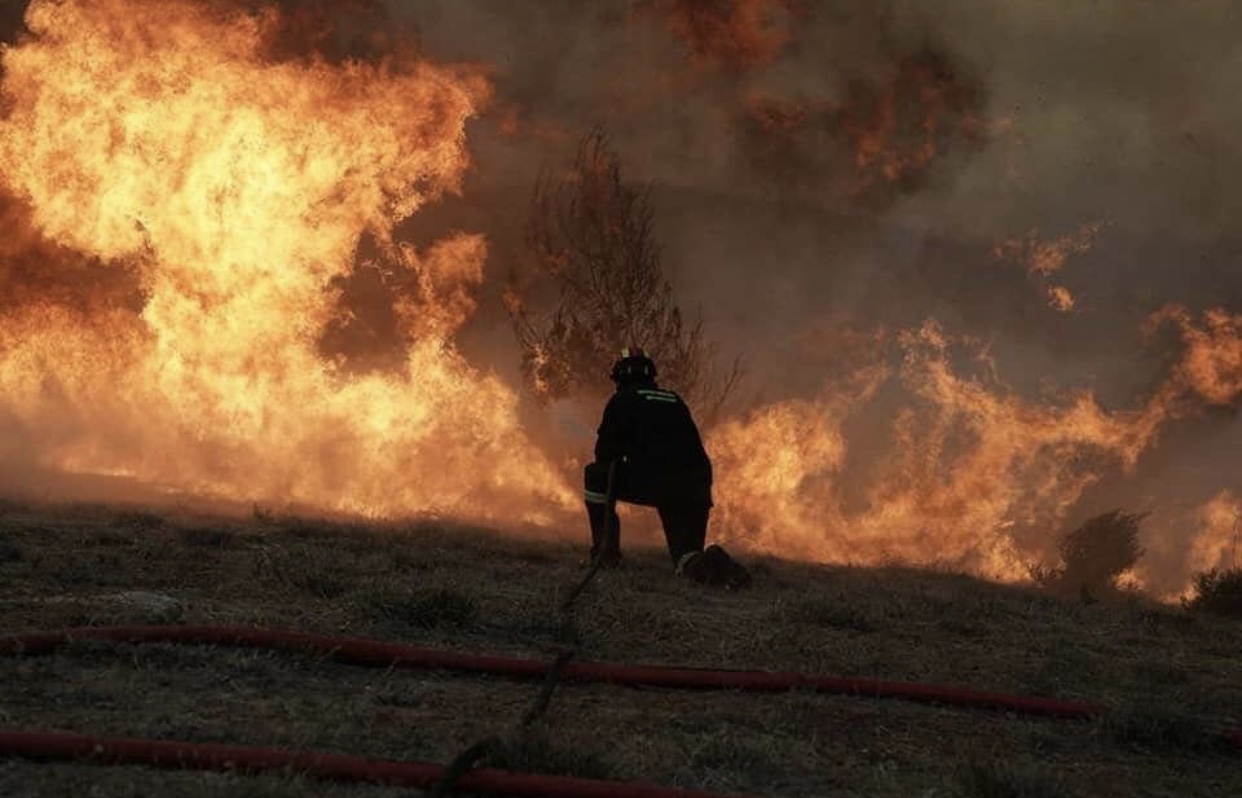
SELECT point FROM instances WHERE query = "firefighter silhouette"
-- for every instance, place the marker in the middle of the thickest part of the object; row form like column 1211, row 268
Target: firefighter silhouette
column 649, row 452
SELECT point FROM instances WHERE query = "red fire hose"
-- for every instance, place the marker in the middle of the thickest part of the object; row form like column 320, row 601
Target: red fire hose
column 372, row 652
column 360, row 651
column 335, row 767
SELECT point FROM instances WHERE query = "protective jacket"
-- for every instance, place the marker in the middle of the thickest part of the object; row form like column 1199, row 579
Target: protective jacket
column 650, row 430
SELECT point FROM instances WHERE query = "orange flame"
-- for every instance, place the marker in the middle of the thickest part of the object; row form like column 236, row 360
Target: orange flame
column 157, row 136
column 899, row 130
column 969, row 464
column 738, row 33
column 1215, row 545
column 221, row 194
column 1044, row 258
column 884, row 134
column 1211, row 366
column 1060, row 298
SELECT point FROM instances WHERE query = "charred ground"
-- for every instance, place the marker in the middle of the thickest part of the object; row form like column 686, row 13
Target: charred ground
column 1173, row 677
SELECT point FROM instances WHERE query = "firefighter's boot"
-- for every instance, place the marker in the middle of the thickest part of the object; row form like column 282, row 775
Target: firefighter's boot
column 714, row 567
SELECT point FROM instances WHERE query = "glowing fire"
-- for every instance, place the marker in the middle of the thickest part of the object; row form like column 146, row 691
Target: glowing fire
column 1215, row 545
column 190, row 204
column 740, row 33
column 1211, row 366
column 899, row 130
column 883, row 137
column 1044, row 258
column 158, row 138
column 968, row 464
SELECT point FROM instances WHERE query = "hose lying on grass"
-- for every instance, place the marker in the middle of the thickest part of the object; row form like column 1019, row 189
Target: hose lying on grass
column 361, row 651
column 334, row 767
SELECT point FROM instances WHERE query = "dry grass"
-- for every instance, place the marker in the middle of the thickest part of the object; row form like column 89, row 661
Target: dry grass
column 1174, row 676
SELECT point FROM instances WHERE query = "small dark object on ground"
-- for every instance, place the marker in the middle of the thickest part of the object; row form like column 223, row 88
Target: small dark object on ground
column 714, row 567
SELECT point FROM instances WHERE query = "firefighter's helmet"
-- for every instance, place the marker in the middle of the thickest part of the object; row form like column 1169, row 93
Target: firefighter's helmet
column 633, row 366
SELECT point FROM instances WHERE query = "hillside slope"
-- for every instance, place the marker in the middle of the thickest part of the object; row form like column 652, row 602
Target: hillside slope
column 1174, row 679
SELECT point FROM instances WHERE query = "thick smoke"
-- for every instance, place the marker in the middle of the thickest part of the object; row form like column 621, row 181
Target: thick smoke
column 1028, row 120
column 827, row 176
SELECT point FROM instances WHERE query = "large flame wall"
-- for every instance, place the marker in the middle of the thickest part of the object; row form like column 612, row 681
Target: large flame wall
column 185, row 199
column 155, row 137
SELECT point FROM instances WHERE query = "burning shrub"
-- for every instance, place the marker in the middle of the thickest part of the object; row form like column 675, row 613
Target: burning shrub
column 1095, row 554
column 1218, row 592
column 590, row 235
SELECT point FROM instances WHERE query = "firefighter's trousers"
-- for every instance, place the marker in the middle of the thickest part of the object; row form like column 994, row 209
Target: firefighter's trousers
column 682, row 499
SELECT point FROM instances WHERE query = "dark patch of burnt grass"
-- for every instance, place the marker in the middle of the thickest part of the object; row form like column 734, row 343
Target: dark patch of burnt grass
column 481, row 591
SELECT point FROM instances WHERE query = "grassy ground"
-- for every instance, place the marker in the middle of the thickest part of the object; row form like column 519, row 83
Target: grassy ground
column 1174, row 678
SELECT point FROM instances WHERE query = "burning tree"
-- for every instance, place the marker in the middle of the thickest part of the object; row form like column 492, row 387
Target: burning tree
column 591, row 236
column 1096, row 553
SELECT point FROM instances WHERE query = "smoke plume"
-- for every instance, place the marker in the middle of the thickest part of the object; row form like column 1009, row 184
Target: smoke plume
column 980, row 259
